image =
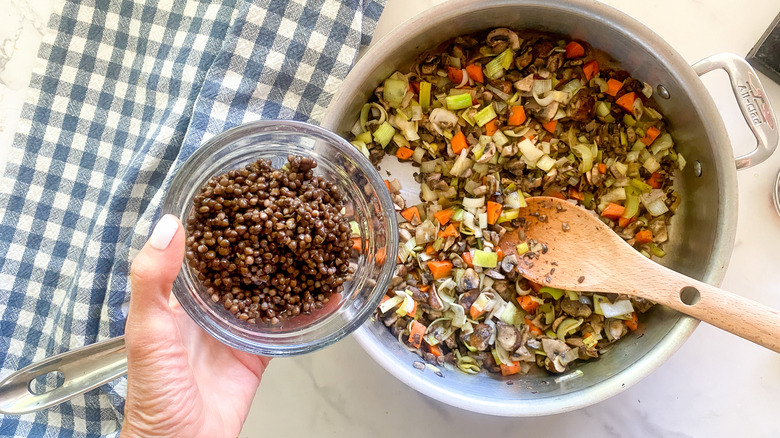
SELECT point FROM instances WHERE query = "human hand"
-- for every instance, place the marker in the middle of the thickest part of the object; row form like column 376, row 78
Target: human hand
column 180, row 380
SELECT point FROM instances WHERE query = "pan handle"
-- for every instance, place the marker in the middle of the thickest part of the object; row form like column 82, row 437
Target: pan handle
column 81, row 370
column 753, row 102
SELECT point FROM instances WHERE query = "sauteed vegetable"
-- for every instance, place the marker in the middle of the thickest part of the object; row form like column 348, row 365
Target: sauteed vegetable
column 490, row 119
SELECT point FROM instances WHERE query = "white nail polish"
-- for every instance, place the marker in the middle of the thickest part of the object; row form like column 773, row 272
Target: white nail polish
column 163, row 232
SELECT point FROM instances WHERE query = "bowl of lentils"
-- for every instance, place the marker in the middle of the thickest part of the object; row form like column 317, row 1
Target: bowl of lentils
column 291, row 237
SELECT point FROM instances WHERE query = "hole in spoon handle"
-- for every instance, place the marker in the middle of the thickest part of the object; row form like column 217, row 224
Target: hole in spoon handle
column 689, row 295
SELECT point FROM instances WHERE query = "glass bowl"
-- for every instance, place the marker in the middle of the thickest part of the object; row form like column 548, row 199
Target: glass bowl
column 367, row 202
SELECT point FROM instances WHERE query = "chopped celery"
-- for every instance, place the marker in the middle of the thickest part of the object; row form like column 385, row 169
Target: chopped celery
column 597, row 300
column 501, row 62
column 522, row 248
column 458, row 101
column 485, row 115
column 568, row 326
column 589, row 340
column 353, row 225
column 632, row 202
column 658, row 252
column 361, row 146
column 603, row 108
column 629, row 120
column 391, row 303
column 425, row 95
column 550, row 333
column 586, row 155
column 555, row 293
column 546, row 163
column 485, row 259
column 365, row 137
column 394, row 91
column 641, row 185
column 384, row 134
column 588, row 199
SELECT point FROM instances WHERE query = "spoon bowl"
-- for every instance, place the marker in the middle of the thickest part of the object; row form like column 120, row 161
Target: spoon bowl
column 572, row 249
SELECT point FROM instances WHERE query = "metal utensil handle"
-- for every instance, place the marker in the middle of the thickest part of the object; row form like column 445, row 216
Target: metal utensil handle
column 753, row 102
column 83, row 369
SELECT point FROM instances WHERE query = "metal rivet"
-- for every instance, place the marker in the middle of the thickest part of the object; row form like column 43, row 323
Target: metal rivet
column 663, row 92
column 697, row 168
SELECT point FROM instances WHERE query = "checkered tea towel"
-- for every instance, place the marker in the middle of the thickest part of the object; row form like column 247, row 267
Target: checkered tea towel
column 124, row 92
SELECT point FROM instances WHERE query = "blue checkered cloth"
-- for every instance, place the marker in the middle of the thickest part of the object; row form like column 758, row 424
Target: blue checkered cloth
column 128, row 90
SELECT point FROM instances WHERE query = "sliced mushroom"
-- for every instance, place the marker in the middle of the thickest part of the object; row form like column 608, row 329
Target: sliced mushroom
column 469, row 281
column 509, row 263
column 516, row 167
column 506, row 335
column 616, row 329
column 575, row 308
column 480, row 191
column 435, row 301
column 488, row 154
column 398, row 201
column 405, row 235
column 509, row 150
column 467, row 299
column 523, row 60
column 502, row 34
column 432, row 178
column 658, row 227
column 427, row 64
column 582, row 106
column 389, row 318
column 554, row 349
column 480, row 337
column 525, row 85
column 494, row 274
column 443, row 118
column 441, row 186
column 555, row 62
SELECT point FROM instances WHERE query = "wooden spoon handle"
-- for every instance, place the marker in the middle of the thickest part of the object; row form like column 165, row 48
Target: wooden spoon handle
column 728, row 311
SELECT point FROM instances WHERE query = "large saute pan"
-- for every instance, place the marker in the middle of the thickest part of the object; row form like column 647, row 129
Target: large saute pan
column 702, row 235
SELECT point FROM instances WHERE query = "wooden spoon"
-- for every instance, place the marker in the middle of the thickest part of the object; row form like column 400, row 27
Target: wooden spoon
column 579, row 252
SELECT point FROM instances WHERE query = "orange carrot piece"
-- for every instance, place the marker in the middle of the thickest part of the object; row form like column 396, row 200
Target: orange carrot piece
column 550, row 126
column 613, row 211
column 450, row 231
column 455, row 75
column 634, row 323
column 440, row 268
column 404, row 153
column 357, row 243
column 574, row 50
column 576, row 194
column 475, row 73
column 380, row 256
column 493, row 211
column 626, row 101
column 535, row 286
column 516, row 116
column 602, row 168
column 475, row 312
column 434, row 349
column 625, row 221
column 384, row 298
column 527, row 303
column 508, row 370
column 644, row 236
column 491, row 127
column 387, row 184
column 590, row 69
column 429, row 249
column 500, row 253
column 411, row 213
column 416, row 333
column 554, row 194
column 613, row 86
column 656, row 180
column 459, row 142
column 651, row 135
column 443, row 216
column 532, row 328
column 467, row 259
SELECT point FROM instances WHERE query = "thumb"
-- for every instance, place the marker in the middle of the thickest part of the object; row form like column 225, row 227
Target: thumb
column 155, row 267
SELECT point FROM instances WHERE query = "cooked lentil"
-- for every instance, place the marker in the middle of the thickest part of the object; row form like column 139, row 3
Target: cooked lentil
column 270, row 244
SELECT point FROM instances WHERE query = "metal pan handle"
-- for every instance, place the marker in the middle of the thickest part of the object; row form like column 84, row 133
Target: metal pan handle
column 83, row 369
column 753, row 102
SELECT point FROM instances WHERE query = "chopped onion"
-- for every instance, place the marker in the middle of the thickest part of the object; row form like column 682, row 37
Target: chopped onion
column 473, row 203
column 622, row 307
column 529, row 150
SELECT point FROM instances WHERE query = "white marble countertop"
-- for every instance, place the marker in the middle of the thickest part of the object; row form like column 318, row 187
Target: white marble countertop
column 715, row 385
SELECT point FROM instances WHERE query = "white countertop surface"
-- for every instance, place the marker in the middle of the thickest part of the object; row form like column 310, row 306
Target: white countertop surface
column 715, row 385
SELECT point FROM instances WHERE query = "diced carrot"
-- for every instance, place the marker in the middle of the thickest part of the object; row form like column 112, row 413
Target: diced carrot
column 613, row 211
column 475, row 311
column 475, row 73
column 634, row 323
column 384, row 298
column 550, row 126
column 493, row 211
column 554, row 194
column 527, row 303
column 626, row 101
column 416, row 333
column 613, row 86
column 651, row 135
column 440, row 268
column 381, row 254
column 459, row 142
column 576, row 194
column 491, row 127
column 534, row 329
column 516, row 115
column 455, row 75
column 429, row 249
column 625, row 221
column 602, row 168
column 450, row 231
column 644, row 236
column 404, row 153
column 656, row 180
column 387, row 184
column 424, row 287
column 443, row 216
column 500, row 253
column 433, row 349
column 415, row 85
column 590, row 69
column 574, row 50
column 357, row 243
column 508, row 370
column 411, row 213
column 535, row 286
column 467, row 259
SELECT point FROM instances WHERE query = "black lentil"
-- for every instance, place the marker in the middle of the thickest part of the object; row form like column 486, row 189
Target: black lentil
column 270, row 244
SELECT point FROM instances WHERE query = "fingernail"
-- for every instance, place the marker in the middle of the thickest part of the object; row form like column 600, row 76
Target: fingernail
column 163, row 232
